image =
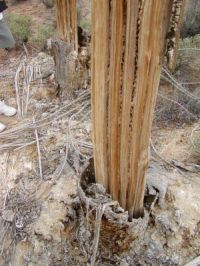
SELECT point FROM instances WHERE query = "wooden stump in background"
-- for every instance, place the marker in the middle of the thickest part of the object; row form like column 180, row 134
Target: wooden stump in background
column 66, row 17
column 60, row 52
column 65, row 48
column 173, row 35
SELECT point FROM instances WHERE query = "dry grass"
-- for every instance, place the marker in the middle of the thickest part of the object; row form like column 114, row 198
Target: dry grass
column 195, row 138
column 176, row 103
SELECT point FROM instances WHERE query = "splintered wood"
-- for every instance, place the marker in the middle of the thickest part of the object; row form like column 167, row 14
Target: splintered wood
column 66, row 16
column 174, row 33
column 65, row 48
column 128, row 39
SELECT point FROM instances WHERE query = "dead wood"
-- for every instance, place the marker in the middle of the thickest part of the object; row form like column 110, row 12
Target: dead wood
column 173, row 35
column 128, row 39
column 116, row 232
column 66, row 47
column 61, row 53
column 66, row 17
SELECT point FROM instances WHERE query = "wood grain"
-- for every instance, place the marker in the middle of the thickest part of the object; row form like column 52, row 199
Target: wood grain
column 100, row 60
column 66, row 17
column 128, row 39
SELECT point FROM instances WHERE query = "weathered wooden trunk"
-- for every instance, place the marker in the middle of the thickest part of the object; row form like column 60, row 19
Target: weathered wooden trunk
column 66, row 17
column 65, row 47
column 173, row 35
column 128, row 39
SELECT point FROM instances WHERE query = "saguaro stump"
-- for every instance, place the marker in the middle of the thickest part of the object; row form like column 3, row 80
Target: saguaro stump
column 66, row 17
column 65, row 47
column 173, row 35
column 128, row 38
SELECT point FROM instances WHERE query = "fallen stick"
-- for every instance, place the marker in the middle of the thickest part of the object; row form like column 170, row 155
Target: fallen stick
column 39, row 153
column 17, row 90
column 99, row 214
column 195, row 262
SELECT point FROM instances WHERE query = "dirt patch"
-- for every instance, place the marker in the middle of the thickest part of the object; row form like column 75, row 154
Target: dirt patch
column 66, row 230
column 176, row 146
column 40, row 14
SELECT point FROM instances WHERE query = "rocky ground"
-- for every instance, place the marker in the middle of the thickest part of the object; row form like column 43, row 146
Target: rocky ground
column 52, row 212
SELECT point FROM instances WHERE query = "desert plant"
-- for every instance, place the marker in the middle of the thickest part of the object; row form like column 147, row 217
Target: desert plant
column 191, row 22
column 16, row 1
column 85, row 25
column 82, row 21
column 49, row 3
column 42, row 33
column 190, row 43
column 195, row 138
column 197, row 142
column 20, row 27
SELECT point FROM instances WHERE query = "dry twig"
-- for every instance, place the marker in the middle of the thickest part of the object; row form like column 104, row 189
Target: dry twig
column 39, row 153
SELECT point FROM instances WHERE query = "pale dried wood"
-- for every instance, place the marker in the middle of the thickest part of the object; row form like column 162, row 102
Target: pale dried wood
column 151, row 48
column 128, row 39
column 100, row 39
column 173, row 40
column 65, row 48
column 61, row 51
column 66, row 17
column 129, row 70
column 115, row 70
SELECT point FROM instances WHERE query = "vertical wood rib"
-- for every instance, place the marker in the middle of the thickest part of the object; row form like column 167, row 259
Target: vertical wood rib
column 176, row 22
column 127, row 91
column 66, row 17
column 100, row 57
column 114, row 95
column 151, row 46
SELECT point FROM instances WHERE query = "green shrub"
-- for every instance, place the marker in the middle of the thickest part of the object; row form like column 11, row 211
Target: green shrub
column 23, row 30
column 85, row 25
column 196, row 140
column 42, row 33
column 20, row 26
column 191, row 22
column 78, row 10
column 82, row 22
column 49, row 3
column 190, row 42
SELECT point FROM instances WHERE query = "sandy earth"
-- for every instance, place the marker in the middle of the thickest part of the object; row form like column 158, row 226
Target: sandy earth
column 36, row 10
